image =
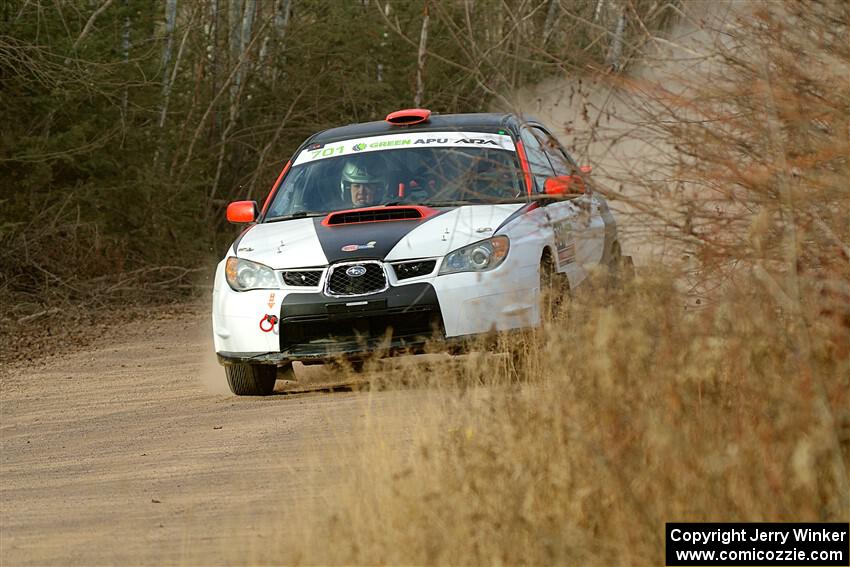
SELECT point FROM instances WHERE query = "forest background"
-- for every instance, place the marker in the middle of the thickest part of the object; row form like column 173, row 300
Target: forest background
column 126, row 126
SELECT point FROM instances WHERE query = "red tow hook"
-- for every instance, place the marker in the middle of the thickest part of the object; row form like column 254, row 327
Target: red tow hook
column 271, row 320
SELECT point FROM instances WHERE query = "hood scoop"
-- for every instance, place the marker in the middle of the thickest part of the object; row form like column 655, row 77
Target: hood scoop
column 378, row 214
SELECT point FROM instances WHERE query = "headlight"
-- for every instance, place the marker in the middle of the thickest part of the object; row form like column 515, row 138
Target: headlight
column 243, row 275
column 479, row 257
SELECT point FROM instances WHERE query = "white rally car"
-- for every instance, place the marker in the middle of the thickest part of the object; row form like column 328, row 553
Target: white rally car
column 385, row 235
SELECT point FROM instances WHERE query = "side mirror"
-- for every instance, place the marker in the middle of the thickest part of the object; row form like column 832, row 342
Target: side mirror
column 564, row 185
column 242, row 211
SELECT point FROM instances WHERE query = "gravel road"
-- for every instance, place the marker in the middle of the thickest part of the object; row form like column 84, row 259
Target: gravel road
column 132, row 451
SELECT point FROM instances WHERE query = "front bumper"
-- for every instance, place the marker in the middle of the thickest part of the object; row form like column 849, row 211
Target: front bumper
column 344, row 350
column 315, row 327
column 448, row 310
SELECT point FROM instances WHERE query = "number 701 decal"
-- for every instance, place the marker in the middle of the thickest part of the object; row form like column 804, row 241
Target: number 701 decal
column 327, row 152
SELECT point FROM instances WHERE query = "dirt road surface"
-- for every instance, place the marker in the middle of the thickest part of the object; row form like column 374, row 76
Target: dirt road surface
column 132, row 451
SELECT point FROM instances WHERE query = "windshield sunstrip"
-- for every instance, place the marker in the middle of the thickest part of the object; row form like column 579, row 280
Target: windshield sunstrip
column 406, row 140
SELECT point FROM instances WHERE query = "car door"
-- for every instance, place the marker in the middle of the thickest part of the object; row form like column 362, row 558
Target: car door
column 561, row 215
column 589, row 228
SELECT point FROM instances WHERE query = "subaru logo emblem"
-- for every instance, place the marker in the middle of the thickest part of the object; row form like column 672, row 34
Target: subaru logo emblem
column 355, row 271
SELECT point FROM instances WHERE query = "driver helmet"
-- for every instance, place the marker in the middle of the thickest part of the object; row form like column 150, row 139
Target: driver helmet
column 367, row 171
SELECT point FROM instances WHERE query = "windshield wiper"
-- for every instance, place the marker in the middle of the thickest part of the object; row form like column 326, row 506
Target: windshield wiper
column 298, row 215
column 424, row 203
column 447, row 203
column 456, row 203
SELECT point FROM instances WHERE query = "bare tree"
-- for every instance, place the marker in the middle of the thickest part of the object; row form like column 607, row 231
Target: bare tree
column 283, row 13
column 90, row 23
column 170, row 21
column 551, row 18
column 420, row 60
column 125, row 52
column 234, row 31
column 615, row 52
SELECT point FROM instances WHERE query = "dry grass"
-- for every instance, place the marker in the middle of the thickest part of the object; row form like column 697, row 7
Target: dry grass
column 632, row 412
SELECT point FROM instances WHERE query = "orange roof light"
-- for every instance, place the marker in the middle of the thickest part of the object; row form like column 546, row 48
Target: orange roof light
column 408, row 116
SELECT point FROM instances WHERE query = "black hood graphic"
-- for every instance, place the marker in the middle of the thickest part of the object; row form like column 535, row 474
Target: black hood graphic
column 362, row 241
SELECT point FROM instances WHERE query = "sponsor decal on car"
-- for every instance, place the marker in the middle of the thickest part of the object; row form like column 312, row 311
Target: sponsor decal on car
column 356, row 247
column 400, row 141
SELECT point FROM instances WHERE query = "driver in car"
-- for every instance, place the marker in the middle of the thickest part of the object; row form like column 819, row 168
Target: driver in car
column 363, row 181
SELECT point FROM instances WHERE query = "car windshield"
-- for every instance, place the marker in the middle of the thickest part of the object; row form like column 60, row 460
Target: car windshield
column 436, row 169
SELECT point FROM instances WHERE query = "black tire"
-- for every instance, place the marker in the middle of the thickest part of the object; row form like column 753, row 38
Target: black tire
column 554, row 288
column 621, row 269
column 251, row 379
column 520, row 350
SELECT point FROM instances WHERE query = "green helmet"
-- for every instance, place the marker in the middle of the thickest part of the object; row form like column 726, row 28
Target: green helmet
column 370, row 170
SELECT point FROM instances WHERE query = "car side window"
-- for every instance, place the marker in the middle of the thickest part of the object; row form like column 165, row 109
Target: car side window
column 560, row 162
column 537, row 160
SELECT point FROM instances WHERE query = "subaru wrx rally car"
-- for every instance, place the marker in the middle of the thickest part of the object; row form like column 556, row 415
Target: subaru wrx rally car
column 383, row 235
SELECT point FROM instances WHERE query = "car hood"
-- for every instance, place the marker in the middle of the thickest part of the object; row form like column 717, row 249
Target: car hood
column 307, row 242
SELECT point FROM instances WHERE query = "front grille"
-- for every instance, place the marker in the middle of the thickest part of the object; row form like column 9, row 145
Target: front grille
column 401, row 324
column 342, row 283
column 407, row 270
column 302, row 278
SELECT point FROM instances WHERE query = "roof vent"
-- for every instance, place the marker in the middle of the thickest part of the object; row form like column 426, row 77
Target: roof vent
column 408, row 117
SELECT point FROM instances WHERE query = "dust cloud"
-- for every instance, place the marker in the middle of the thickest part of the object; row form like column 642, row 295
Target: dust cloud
column 607, row 123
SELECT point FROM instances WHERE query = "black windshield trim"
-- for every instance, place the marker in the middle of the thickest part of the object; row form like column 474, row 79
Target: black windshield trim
column 298, row 215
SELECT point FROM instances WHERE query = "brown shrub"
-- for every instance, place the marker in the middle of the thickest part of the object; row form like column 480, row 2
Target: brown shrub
column 640, row 412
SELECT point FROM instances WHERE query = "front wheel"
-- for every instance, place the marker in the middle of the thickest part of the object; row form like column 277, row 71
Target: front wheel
column 251, row 379
column 621, row 269
column 554, row 289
